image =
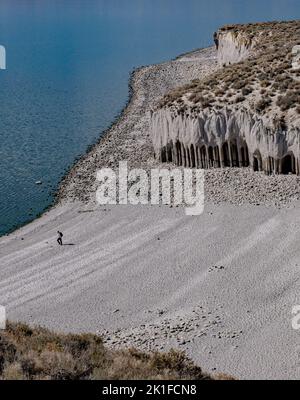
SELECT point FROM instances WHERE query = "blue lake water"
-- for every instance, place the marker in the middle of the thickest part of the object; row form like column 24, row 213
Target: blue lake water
column 68, row 64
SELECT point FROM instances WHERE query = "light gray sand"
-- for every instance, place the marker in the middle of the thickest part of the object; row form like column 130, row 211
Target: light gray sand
column 231, row 275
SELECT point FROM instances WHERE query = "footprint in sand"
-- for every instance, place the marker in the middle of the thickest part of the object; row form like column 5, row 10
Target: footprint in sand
column 216, row 267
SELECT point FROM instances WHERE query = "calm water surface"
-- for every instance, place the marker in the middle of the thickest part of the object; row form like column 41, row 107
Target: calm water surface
column 68, row 64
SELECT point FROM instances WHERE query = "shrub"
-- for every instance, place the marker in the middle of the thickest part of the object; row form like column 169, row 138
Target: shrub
column 291, row 99
column 262, row 104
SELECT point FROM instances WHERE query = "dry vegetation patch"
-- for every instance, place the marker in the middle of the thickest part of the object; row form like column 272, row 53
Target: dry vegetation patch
column 262, row 83
column 37, row 353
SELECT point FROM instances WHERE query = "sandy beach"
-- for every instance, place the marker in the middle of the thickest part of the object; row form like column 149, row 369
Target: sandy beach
column 220, row 286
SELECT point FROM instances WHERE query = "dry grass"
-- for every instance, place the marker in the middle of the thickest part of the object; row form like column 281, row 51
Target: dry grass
column 37, row 353
column 264, row 82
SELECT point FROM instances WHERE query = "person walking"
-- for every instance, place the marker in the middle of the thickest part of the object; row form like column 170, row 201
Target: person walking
column 59, row 238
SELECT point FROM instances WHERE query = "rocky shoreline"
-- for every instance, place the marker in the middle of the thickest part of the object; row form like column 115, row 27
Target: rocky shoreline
column 129, row 139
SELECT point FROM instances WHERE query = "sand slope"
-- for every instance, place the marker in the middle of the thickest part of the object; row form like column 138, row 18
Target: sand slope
column 220, row 285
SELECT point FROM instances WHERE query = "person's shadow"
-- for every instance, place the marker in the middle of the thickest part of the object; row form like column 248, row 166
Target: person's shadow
column 68, row 244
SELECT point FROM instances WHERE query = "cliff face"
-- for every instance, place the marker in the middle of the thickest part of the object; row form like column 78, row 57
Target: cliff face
column 224, row 138
column 233, row 47
column 240, row 116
